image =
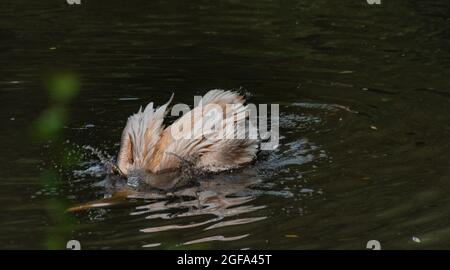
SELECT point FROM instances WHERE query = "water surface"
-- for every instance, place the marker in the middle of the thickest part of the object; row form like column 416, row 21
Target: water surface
column 365, row 122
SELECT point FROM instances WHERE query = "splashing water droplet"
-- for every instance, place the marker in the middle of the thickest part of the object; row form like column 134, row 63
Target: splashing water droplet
column 133, row 181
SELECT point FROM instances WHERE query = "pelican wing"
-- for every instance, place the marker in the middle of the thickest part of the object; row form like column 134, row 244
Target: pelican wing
column 139, row 137
column 207, row 136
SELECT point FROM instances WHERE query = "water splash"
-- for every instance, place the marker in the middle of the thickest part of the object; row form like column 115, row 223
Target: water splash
column 99, row 168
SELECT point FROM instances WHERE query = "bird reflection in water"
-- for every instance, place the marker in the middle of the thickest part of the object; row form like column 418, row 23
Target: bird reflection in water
column 217, row 197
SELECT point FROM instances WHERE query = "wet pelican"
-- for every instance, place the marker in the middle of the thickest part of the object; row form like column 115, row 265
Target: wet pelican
column 152, row 152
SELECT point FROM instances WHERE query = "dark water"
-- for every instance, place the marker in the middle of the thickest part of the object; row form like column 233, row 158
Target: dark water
column 364, row 98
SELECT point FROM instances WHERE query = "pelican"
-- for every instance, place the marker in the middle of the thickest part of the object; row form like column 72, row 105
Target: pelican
column 153, row 151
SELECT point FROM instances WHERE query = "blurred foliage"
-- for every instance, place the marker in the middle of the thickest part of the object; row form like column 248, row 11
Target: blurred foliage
column 61, row 224
column 61, row 88
column 48, row 178
column 50, row 123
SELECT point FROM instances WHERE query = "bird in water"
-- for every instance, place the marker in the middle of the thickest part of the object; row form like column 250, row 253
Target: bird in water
column 199, row 141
